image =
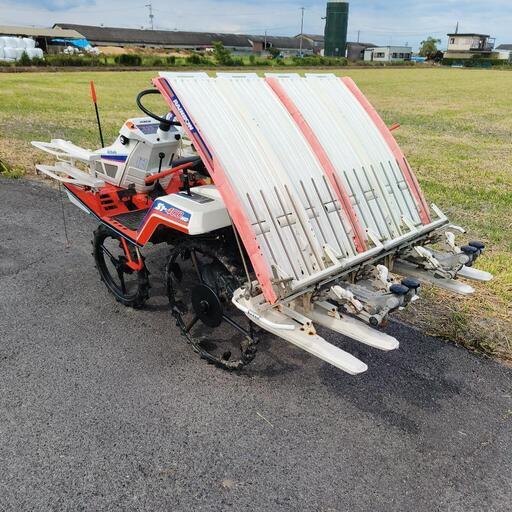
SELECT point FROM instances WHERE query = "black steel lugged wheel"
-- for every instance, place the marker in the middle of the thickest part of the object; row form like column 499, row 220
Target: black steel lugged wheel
column 129, row 287
column 200, row 284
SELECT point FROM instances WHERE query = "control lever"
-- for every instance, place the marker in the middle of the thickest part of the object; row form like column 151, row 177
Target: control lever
column 161, row 157
column 163, row 174
column 185, row 179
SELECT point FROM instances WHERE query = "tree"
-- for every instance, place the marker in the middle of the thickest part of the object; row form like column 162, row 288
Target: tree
column 274, row 52
column 24, row 60
column 429, row 46
column 221, row 54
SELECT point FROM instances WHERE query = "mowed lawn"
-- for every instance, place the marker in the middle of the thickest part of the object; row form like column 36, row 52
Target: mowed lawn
column 456, row 128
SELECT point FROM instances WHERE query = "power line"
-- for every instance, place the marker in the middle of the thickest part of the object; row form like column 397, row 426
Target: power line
column 151, row 15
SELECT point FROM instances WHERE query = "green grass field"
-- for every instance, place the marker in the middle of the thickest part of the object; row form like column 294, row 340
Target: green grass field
column 456, row 130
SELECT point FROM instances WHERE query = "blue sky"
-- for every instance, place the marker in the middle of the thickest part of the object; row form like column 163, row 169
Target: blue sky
column 380, row 22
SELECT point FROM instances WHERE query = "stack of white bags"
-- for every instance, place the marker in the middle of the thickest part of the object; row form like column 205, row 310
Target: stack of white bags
column 12, row 48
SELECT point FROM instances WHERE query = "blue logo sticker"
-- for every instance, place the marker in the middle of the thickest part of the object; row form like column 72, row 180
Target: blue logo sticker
column 176, row 214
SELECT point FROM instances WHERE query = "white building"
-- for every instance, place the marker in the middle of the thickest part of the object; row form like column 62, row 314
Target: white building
column 467, row 46
column 388, row 53
column 504, row 52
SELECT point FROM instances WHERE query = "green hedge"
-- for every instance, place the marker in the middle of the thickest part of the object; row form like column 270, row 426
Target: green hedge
column 194, row 60
column 69, row 60
column 128, row 59
column 476, row 62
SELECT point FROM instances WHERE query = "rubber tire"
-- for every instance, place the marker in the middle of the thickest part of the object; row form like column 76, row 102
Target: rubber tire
column 135, row 300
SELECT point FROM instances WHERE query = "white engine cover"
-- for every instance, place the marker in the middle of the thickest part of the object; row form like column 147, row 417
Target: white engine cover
column 136, row 154
column 202, row 212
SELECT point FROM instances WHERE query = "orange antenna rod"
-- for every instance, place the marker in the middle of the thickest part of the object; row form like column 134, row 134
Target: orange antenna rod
column 93, row 92
column 95, row 101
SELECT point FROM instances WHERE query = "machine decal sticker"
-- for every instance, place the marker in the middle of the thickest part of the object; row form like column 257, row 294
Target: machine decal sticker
column 176, row 214
column 116, row 158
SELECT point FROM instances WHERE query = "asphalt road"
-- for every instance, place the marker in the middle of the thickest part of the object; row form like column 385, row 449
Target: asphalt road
column 105, row 408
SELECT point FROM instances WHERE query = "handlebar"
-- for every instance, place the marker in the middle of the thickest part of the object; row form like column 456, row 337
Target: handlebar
column 148, row 112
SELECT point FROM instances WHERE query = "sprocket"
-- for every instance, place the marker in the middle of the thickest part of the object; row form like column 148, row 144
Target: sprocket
column 201, row 279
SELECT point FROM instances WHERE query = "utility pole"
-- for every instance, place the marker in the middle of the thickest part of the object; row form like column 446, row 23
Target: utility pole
column 457, row 28
column 301, row 29
column 358, row 34
column 151, row 15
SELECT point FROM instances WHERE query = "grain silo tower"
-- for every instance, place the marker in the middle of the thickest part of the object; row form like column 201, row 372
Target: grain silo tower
column 336, row 28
